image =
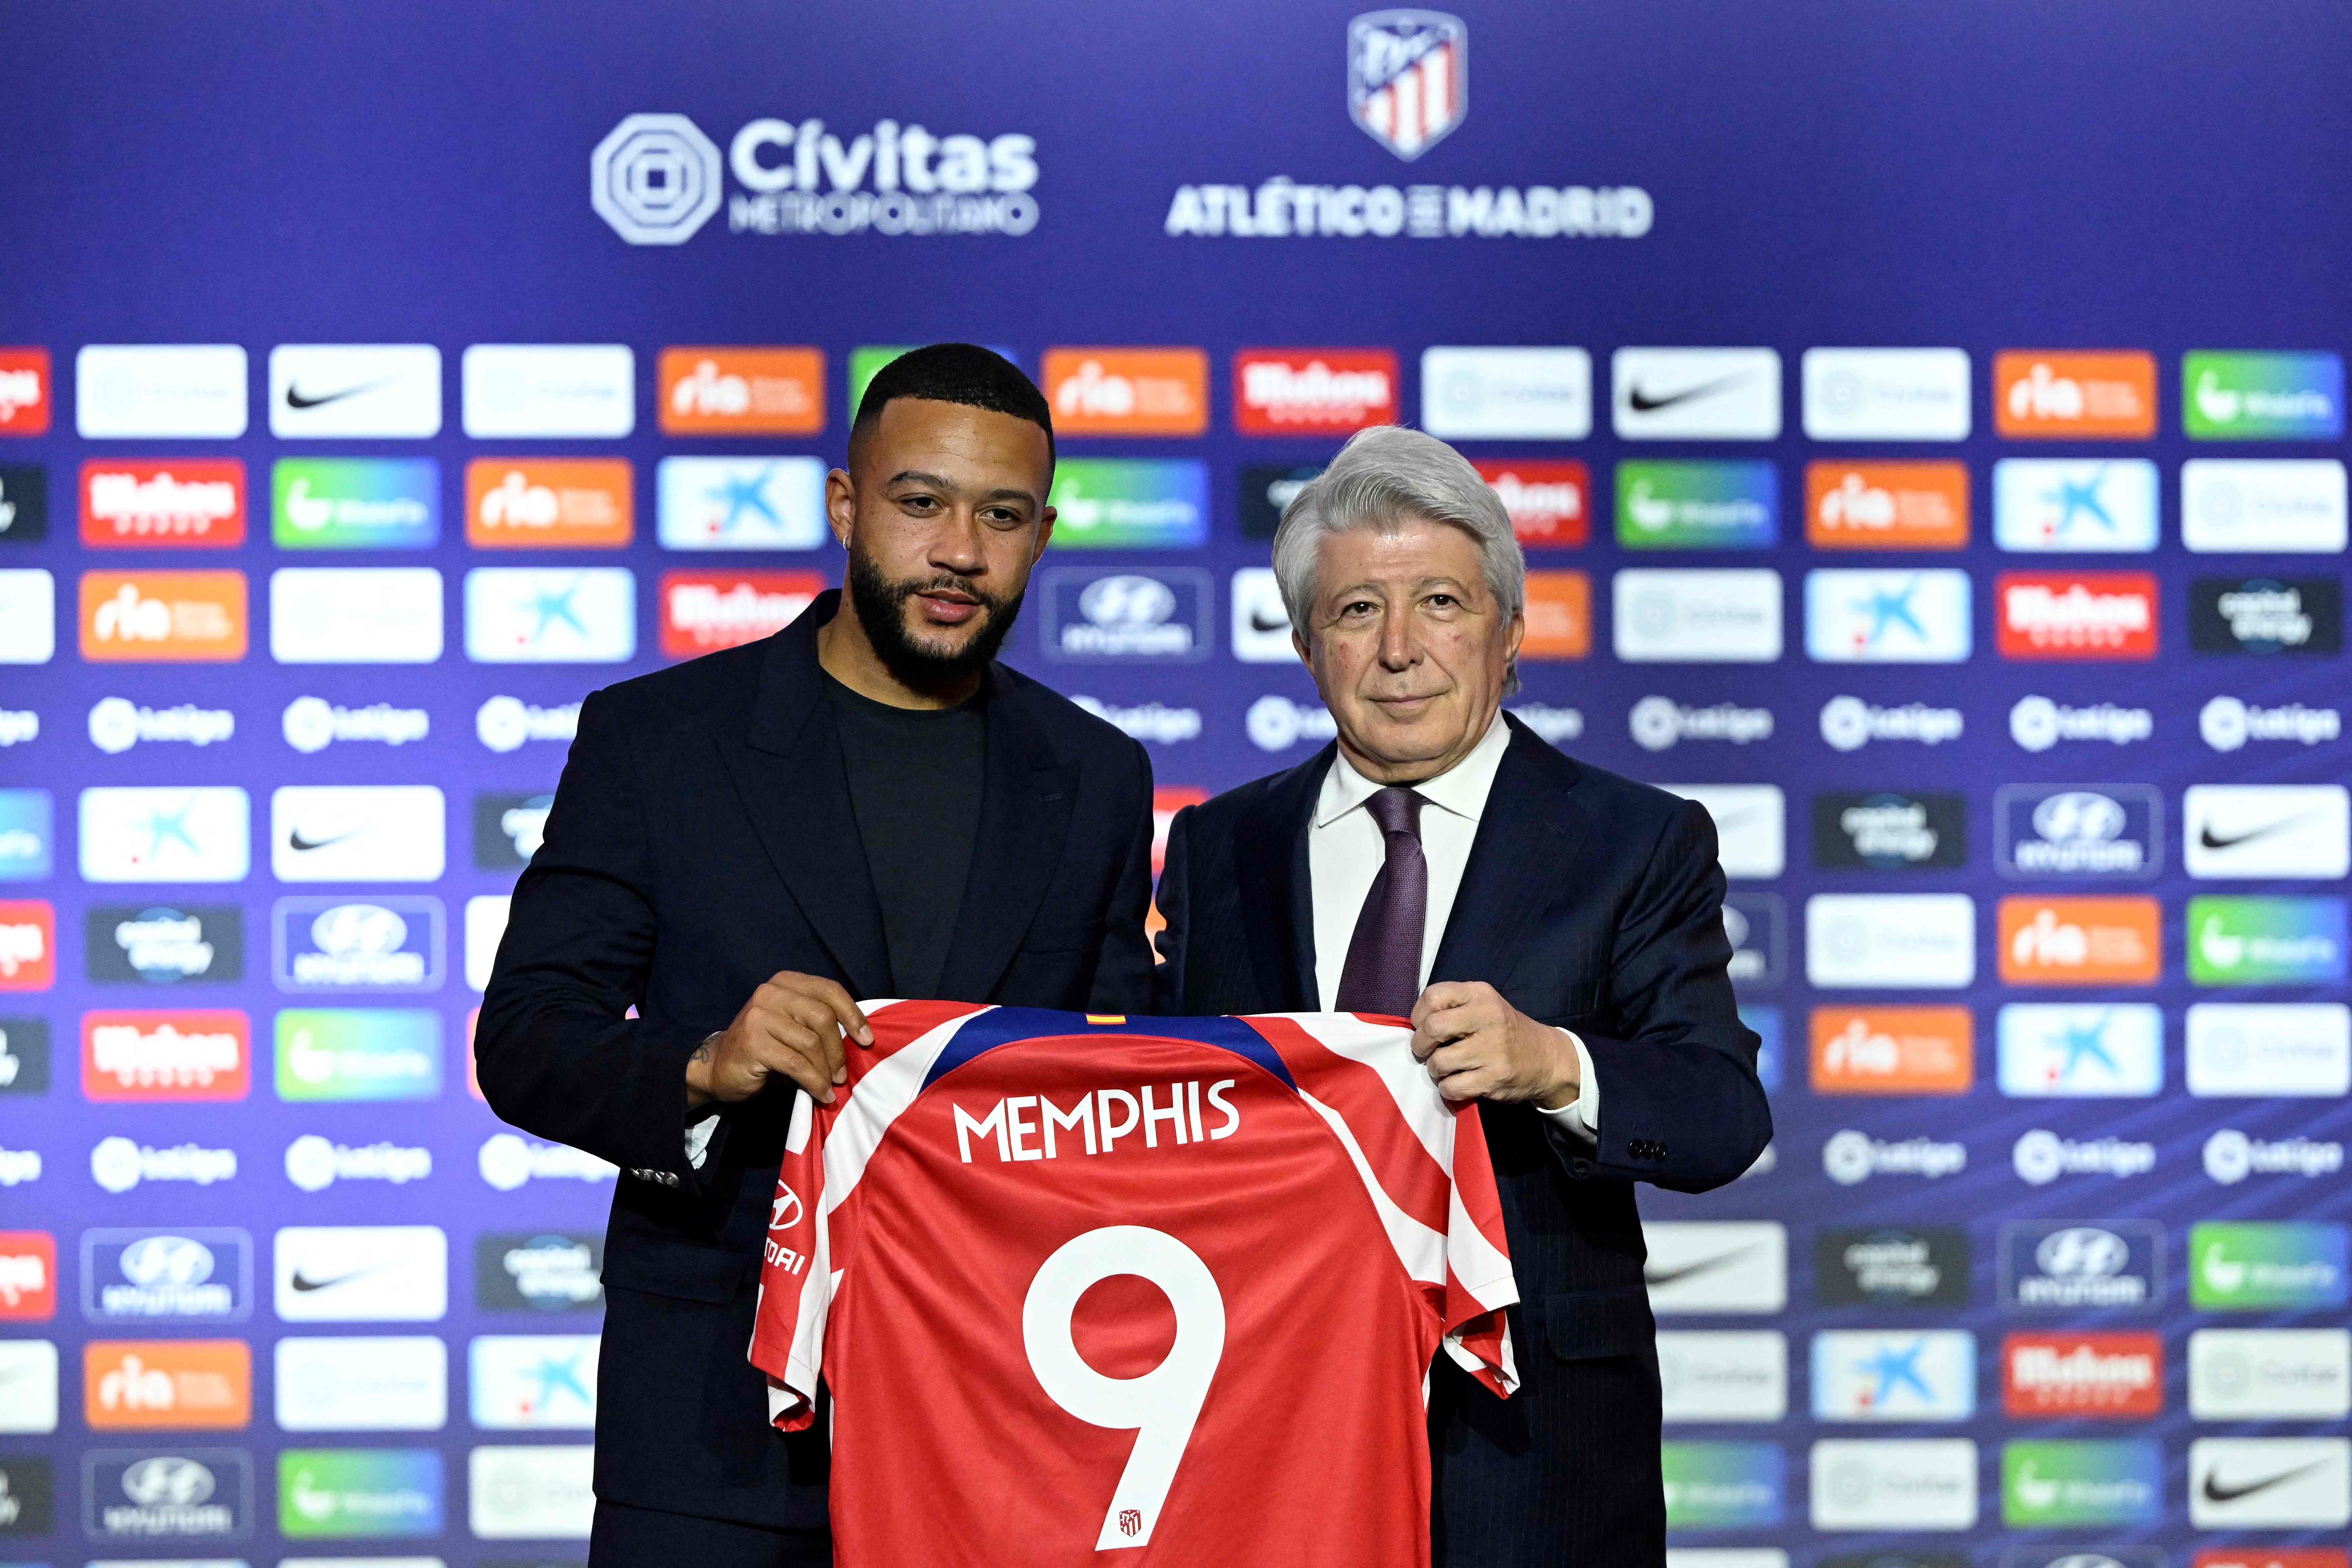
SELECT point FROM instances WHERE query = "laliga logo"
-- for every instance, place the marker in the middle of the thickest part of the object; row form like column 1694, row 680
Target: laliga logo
column 656, row 179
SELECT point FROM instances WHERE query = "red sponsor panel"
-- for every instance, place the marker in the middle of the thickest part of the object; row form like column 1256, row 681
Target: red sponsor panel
column 2273, row 1557
column 1549, row 499
column 158, row 503
column 1167, row 800
column 704, row 611
column 150, row 1054
column 28, row 1276
column 1313, row 392
column 2116, row 1375
column 2076, row 615
column 25, row 388
column 28, row 944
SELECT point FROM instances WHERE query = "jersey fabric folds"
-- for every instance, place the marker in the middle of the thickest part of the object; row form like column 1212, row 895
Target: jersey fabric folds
column 1168, row 1287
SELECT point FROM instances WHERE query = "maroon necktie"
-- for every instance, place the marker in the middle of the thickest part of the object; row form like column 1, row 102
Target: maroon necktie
column 1384, row 969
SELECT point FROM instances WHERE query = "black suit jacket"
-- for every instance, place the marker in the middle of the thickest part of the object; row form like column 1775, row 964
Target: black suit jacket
column 702, row 839
column 1591, row 903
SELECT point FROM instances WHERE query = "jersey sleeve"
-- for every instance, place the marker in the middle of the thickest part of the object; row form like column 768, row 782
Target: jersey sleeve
column 1423, row 1163
column 811, row 1222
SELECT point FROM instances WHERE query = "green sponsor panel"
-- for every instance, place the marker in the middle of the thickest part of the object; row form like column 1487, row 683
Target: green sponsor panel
column 2065, row 1484
column 359, row 1053
column 2266, row 1268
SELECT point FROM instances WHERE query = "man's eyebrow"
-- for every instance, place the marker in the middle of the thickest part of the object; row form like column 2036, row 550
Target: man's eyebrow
column 941, row 482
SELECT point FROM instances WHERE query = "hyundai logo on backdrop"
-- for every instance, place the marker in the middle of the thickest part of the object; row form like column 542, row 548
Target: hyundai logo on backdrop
column 2091, row 832
column 1162, row 617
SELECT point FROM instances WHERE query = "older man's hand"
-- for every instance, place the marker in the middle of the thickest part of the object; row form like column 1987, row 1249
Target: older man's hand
column 1478, row 1046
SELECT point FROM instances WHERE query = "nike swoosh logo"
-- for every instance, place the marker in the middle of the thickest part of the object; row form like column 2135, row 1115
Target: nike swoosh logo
column 1258, row 623
column 297, row 398
column 2212, row 840
column 2216, row 1492
column 295, row 840
column 1642, row 402
column 301, row 1282
column 1655, row 1276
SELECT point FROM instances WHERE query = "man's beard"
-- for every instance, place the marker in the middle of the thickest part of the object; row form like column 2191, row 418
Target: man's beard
column 881, row 606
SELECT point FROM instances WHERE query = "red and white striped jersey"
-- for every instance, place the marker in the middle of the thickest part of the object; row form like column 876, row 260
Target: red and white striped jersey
column 1079, row 1283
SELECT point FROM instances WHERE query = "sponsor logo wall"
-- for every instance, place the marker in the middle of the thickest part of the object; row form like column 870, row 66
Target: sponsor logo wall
column 2008, row 667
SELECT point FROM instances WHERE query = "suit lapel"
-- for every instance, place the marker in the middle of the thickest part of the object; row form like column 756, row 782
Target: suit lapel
column 788, row 769
column 1025, row 801
column 1277, row 897
column 1529, row 837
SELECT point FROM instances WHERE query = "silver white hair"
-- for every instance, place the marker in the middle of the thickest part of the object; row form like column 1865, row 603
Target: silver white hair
column 1385, row 476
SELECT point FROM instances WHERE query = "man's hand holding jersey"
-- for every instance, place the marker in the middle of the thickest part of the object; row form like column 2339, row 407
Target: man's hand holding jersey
column 791, row 1028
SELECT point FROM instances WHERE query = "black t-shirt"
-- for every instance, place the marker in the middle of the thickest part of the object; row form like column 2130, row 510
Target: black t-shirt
column 914, row 784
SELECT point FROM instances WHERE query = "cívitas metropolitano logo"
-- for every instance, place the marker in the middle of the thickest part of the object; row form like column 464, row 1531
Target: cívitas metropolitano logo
column 657, row 179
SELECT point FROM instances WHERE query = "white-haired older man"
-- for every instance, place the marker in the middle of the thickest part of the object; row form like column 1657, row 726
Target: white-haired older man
column 1555, row 934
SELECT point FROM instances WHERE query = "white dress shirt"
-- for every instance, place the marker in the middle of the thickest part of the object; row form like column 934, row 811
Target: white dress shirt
column 1346, row 849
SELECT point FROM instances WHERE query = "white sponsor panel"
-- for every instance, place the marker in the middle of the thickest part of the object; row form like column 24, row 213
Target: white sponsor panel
column 537, row 615
column 2270, row 1483
column 740, row 503
column 1715, row 1266
column 2074, row 505
column 1885, row 394
column 361, row 1273
column 2072, row 1050
column 1696, row 394
column 1895, row 1484
column 1891, row 941
column 1751, row 824
column 28, row 615
column 2298, row 831
column 350, row 390
column 2270, row 1374
column 28, row 1388
column 1507, row 394
column 529, row 390
column 1860, row 615
column 357, row 833
column 1261, row 624
column 391, row 1382
column 2251, row 505
column 1872, row 1375
column 486, row 926
column 2270, row 1049
column 533, row 1382
column 1724, row 1375
column 148, row 834
column 356, row 614
column 170, row 391
column 1664, row 615
column 537, row 1493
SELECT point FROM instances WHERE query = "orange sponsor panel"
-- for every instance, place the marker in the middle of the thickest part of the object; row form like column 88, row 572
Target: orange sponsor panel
column 1893, row 1050
column 1887, row 506
column 1560, row 615
column 740, row 392
column 1127, row 392
column 2081, row 942
column 2105, row 396
column 2273, row 1557
column 167, row 1385
column 163, row 616
column 549, row 503
column 1167, row 800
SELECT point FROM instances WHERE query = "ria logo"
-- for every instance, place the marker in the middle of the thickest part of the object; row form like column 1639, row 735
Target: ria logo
column 656, row 179
column 1408, row 78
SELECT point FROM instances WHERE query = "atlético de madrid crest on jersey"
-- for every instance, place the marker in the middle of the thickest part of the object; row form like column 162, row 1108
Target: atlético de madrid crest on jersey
column 1408, row 78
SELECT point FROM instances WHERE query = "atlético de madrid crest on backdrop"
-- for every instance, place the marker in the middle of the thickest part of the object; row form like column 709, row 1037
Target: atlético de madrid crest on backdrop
column 1408, row 78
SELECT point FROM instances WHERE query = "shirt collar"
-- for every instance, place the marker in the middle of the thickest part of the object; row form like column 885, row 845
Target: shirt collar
column 1461, row 789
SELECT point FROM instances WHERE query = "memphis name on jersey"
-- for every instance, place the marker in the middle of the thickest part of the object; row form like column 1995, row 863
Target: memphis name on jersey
column 1170, row 1287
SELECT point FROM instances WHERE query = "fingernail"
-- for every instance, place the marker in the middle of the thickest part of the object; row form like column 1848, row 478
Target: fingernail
column 828, row 1097
column 841, row 1075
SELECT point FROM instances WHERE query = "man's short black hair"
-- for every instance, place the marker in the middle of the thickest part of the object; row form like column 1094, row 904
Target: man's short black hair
column 957, row 373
